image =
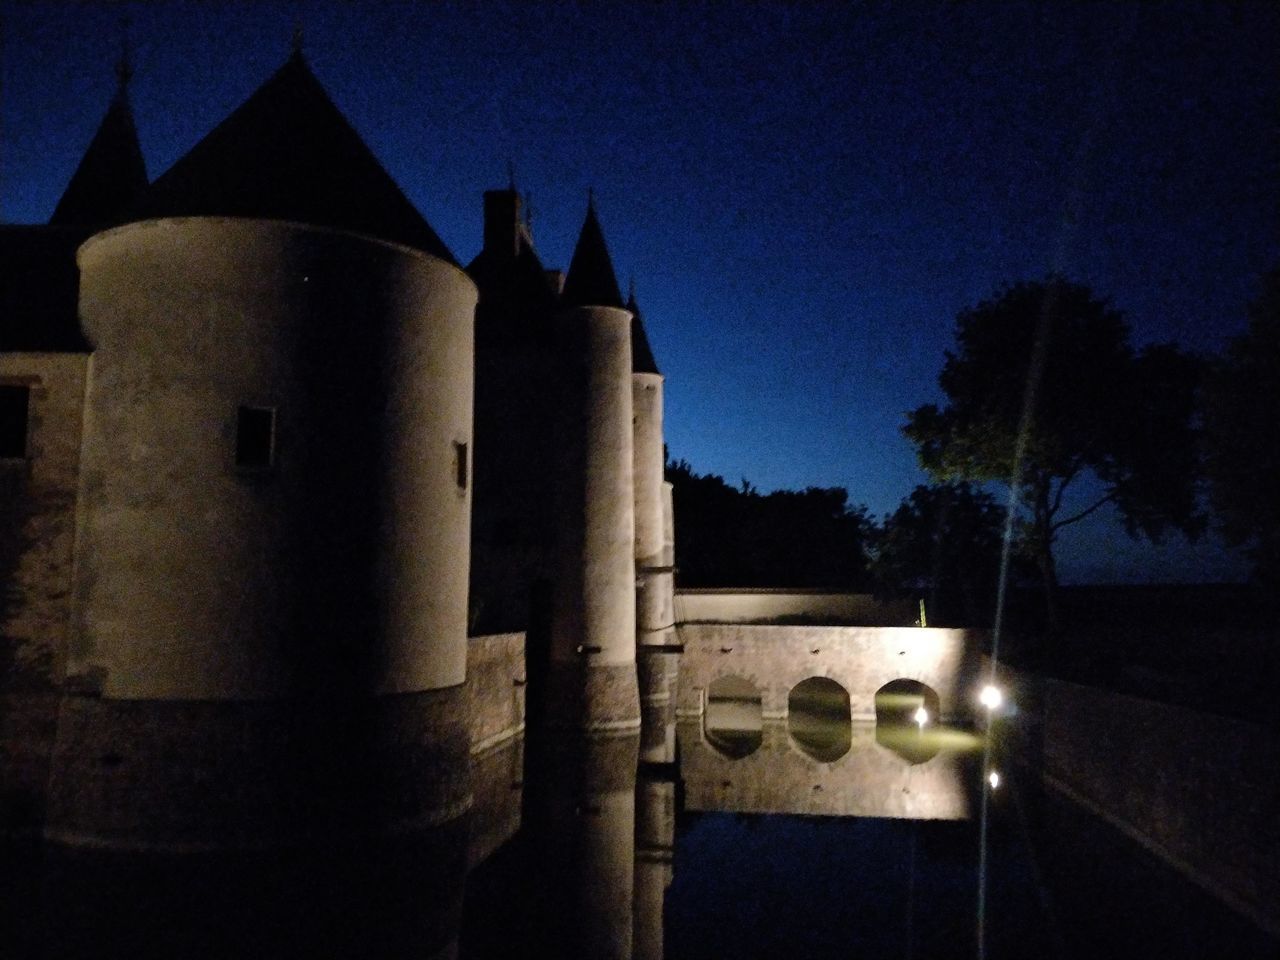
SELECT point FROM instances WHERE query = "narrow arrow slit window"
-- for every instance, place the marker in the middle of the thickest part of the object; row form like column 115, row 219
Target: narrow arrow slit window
column 255, row 438
column 15, row 408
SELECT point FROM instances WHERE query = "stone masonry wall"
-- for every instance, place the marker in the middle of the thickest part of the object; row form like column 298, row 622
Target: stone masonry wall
column 495, row 688
column 37, row 533
column 860, row 659
column 1200, row 791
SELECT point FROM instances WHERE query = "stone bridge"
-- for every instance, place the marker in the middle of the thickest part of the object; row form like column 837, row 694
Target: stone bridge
column 774, row 659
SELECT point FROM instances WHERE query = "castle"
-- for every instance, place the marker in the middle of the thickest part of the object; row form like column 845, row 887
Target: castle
column 270, row 455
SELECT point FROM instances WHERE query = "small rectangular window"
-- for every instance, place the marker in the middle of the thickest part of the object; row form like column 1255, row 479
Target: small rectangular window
column 460, row 464
column 255, row 437
column 15, row 409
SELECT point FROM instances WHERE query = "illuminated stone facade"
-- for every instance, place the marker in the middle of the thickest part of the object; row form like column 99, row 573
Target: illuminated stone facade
column 272, row 455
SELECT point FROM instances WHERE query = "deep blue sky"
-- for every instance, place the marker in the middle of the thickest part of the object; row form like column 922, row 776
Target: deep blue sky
column 806, row 194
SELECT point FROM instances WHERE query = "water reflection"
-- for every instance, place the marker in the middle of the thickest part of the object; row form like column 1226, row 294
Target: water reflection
column 900, row 702
column 867, row 780
column 655, row 853
column 383, row 897
column 818, row 718
column 567, row 845
column 733, row 717
column 587, row 873
column 918, row 744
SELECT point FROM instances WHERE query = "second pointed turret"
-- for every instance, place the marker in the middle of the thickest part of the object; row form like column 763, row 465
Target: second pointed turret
column 112, row 173
column 593, row 652
column 591, row 280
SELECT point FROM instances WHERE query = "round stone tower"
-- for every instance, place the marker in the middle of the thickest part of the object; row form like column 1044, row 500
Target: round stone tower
column 655, row 598
column 655, row 608
column 592, row 678
column 269, row 613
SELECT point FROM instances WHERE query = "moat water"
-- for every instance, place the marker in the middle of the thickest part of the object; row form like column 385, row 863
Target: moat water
column 747, row 847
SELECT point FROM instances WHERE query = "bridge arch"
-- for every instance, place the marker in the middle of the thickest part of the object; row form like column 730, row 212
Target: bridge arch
column 898, row 700
column 900, row 726
column 819, row 719
column 860, row 659
column 733, row 716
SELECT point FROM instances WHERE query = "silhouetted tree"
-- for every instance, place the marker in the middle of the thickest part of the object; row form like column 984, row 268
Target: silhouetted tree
column 739, row 537
column 1242, row 435
column 1044, row 377
column 942, row 544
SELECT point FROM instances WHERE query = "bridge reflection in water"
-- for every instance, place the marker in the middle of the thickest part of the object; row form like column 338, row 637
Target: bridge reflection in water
column 588, row 873
column 878, row 775
column 661, row 845
column 568, row 845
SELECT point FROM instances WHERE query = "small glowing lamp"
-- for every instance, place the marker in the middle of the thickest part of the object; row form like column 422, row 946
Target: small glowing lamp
column 991, row 697
column 921, row 716
column 993, row 778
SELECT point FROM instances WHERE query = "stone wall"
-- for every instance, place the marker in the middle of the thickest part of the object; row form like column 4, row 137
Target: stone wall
column 860, row 659
column 37, row 532
column 332, row 553
column 495, row 688
column 1198, row 790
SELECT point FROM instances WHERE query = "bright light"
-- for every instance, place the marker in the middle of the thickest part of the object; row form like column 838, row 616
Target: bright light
column 990, row 697
column 922, row 716
column 994, row 779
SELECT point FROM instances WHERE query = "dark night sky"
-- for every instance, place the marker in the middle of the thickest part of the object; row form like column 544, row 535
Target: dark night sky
column 806, row 194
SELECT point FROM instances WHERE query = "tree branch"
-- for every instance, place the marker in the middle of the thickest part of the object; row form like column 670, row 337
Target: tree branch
column 1062, row 487
column 1084, row 513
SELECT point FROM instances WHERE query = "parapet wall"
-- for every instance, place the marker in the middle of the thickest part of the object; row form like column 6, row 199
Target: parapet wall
column 1200, row 791
column 739, row 605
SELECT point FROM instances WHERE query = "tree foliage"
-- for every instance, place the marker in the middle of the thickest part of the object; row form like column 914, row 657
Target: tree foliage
column 1242, row 435
column 738, row 537
column 942, row 544
column 1052, row 365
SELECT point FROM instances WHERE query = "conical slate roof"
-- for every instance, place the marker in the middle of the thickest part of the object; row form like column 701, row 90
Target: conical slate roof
column 591, row 281
column 111, row 175
column 641, row 355
column 287, row 153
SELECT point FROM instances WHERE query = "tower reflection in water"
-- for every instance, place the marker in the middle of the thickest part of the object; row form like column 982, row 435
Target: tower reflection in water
column 567, row 851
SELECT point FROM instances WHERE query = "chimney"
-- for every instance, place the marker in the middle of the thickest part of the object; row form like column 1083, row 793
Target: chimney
column 501, row 223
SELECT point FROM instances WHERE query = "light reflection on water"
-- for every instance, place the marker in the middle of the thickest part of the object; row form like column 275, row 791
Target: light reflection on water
column 584, row 851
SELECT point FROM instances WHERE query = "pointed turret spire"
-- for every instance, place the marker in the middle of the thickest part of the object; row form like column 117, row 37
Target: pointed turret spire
column 641, row 355
column 591, row 281
column 124, row 67
column 112, row 173
column 288, row 153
